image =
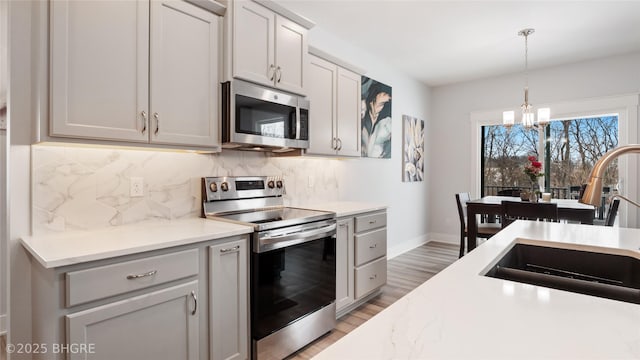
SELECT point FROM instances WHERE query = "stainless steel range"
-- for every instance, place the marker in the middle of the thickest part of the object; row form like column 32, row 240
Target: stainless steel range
column 293, row 265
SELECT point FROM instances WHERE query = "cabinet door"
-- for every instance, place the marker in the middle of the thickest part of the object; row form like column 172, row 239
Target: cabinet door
column 344, row 264
column 159, row 325
column 99, row 69
column 348, row 112
column 291, row 52
column 321, row 77
column 253, row 42
column 184, row 74
column 228, row 301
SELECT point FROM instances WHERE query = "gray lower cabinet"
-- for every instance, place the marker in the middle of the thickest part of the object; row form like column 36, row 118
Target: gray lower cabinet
column 228, row 286
column 344, row 264
column 186, row 302
column 162, row 324
column 361, row 259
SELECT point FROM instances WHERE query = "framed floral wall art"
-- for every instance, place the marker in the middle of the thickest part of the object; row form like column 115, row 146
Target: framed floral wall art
column 413, row 149
column 376, row 119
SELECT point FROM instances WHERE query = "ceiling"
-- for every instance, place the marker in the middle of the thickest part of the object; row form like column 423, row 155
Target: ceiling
column 444, row 42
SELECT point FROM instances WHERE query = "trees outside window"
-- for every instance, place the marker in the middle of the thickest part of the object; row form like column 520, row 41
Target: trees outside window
column 571, row 148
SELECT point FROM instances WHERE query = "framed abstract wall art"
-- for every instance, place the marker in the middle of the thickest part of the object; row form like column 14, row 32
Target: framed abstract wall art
column 413, row 149
column 376, row 119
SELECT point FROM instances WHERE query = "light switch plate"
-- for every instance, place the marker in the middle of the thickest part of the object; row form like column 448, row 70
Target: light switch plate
column 136, row 187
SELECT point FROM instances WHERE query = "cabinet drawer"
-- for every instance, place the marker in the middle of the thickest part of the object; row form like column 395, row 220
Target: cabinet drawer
column 371, row 221
column 371, row 276
column 104, row 281
column 371, row 245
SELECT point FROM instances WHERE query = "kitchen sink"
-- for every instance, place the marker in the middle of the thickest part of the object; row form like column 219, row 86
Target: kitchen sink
column 604, row 275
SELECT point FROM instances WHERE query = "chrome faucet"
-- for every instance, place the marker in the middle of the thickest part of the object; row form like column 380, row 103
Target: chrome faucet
column 593, row 192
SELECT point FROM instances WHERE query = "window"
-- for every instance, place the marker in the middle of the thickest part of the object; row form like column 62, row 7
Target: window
column 568, row 148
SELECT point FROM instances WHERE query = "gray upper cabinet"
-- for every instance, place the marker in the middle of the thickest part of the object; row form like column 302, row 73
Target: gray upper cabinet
column 134, row 72
column 267, row 48
column 334, row 92
column 95, row 94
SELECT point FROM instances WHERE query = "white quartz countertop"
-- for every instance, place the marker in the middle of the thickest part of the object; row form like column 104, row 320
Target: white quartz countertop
column 347, row 208
column 462, row 314
column 68, row 248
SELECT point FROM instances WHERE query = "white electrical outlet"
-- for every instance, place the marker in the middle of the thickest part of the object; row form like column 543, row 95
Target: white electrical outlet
column 136, row 188
column 311, row 181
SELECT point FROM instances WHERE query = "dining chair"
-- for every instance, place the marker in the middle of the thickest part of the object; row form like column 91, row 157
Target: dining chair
column 509, row 192
column 528, row 211
column 485, row 230
column 612, row 213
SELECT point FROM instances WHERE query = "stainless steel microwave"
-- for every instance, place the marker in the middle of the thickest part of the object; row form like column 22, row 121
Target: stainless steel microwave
column 260, row 118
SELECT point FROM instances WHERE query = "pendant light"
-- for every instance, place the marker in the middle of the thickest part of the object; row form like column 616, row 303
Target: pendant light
column 528, row 116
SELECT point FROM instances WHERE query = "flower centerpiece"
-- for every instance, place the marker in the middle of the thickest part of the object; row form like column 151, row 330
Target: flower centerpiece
column 533, row 170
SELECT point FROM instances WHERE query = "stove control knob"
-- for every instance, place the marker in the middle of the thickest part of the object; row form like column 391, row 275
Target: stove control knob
column 271, row 184
column 224, row 186
column 279, row 184
column 213, row 187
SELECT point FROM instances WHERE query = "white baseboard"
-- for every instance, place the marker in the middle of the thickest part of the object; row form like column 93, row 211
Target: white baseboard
column 445, row 238
column 406, row 246
column 421, row 240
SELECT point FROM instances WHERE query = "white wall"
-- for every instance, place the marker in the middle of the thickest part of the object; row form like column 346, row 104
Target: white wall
column 3, row 165
column 380, row 180
column 449, row 139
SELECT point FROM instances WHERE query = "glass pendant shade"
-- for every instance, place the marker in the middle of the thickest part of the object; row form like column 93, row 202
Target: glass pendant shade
column 544, row 116
column 528, row 118
column 508, row 118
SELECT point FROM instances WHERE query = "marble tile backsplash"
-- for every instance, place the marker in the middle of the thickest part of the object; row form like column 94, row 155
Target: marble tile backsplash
column 85, row 188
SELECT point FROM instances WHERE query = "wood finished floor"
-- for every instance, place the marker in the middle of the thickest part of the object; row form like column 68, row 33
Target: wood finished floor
column 3, row 347
column 404, row 273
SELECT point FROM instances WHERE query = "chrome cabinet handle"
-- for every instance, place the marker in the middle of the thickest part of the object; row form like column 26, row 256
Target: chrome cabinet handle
column 372, row 222
column 195, row 302
column 228, row 250
column 339, row 144
column 157, row 117
column 342, row 225
column 138, row 276
column 279, row 73
column 373, row 277
column 144, row 121
column 333, row 144
column 373, row 247
column 272, row 70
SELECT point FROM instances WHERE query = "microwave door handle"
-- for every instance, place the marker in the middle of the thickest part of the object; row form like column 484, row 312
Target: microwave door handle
column 297, row 122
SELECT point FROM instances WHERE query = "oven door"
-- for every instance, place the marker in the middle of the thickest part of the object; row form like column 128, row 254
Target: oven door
column 288, row 283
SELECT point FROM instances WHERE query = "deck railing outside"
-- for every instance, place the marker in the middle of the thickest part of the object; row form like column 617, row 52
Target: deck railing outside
column 568, row 192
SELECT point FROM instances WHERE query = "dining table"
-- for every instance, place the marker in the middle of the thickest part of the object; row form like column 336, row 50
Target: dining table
column 568, row 209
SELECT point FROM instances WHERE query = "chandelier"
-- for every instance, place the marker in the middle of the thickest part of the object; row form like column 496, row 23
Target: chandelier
column 528, row 116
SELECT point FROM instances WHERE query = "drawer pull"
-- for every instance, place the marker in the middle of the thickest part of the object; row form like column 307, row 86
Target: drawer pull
column 372, row 221
column 195, row 302
column 228, row 250
column 138, row 276
column 373, row 246
column 375, row 276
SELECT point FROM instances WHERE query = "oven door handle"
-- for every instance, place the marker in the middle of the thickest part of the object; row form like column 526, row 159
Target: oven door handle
column 272, row 242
